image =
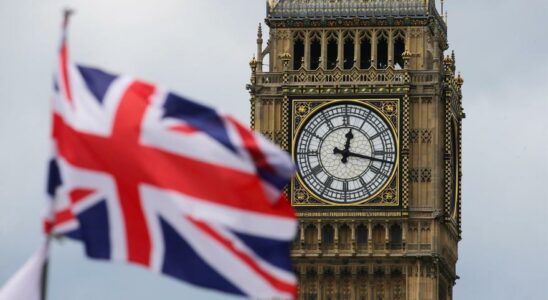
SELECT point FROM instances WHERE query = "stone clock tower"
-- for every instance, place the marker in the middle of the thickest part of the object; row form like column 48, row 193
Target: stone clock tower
column 362, row 96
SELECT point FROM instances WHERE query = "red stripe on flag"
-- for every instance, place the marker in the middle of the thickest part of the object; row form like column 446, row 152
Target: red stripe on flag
column 249, row 261
column 251, row 145
column 224, row 186
column 185, row 129
column 64, row 72
column 78, row 194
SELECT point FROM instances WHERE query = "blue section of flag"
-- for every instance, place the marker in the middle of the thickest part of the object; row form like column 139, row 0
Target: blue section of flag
column 94, row 231
column 54, row 177
column 198, row 116
column 271, row 251
column 55, row 85
column 97, row 81
column 272, row 178
column 182, row 262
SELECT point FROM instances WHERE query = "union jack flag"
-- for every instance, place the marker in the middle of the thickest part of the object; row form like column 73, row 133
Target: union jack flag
column 144, row 176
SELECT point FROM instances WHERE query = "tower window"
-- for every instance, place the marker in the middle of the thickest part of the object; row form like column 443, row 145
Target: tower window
column 365, row 52
column 315, row 51
column 429, row 61
column 348, row 51
column 382, row 52
column 332, row 51
column 399, row 48
column 378, row 237
column 361, row 236
column 328, row 236
column 298, row 51
column 395, row 236
column 310, row 236
column 345, row 239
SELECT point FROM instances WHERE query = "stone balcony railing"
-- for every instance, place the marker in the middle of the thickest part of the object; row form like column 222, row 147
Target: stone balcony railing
column 341, row 78
column 355, row 249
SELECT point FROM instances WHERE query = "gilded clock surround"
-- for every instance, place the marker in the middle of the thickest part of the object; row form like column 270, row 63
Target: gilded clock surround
column 388, row 109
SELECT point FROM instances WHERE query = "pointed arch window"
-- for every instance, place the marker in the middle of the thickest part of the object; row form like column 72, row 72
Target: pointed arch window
column 298, row 50
column 345, row 237
column 395, row 236
column 315, row 50
column 382, row 51
column 399, row 49
column 332, row 50
column 310, row 237
column 361, row 236
column 328, row 236
column 378, row 237
column 349, row 49
column 365, row 51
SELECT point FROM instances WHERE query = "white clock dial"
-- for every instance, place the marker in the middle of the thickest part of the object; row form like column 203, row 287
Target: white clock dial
column 345, row 153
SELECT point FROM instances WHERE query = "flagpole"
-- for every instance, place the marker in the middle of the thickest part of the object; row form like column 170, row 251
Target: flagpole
column 44, row 281
column 67, row 12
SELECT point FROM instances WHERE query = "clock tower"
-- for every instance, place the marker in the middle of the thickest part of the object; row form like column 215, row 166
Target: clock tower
column 362, row 96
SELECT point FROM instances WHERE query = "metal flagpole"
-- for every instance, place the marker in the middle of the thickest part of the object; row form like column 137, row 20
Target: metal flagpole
column 67, row 13
column 44, row 281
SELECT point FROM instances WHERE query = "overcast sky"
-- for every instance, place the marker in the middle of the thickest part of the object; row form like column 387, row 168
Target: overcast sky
column 201, row 48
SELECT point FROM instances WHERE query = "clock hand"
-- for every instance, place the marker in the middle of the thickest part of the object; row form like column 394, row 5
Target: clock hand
column 368, row 157
column 345, row 154
column 349, row 136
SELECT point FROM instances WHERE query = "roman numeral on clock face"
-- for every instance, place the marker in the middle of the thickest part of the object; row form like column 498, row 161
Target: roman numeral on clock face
column 327, row 183
column 377, row 134
column 327, row 121
column 314, row 171
column 378, row 171
column 364, row 185
column 317, row 169
column 308, row 153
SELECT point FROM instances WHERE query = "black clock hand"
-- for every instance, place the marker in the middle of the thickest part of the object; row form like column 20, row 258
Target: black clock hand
column 349, row 136
column 368, row 157
column 344, row 153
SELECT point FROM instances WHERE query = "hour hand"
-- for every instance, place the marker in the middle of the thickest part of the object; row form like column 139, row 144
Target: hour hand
column 344, row 154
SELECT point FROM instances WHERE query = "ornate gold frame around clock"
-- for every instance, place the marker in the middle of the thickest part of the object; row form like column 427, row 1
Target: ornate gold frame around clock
column 387, row 108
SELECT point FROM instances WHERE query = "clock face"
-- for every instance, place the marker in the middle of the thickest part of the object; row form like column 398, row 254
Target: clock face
column 345, row 153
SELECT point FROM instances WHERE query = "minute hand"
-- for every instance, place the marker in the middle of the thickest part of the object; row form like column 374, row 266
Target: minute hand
column 369, row 157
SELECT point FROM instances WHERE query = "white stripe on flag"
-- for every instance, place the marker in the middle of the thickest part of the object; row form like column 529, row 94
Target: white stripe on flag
column 27, row 282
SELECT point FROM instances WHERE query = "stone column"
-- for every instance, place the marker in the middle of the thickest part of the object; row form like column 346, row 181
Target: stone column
column 370, row 237
column 336, row 237
column 374, row 48
column 340, row 52
column 386, row 236
column 323, row 56
column 357, row 49
column 307, row 50
column 319, row 244
column 353, row 237
column 391, row 47
column 404, row 236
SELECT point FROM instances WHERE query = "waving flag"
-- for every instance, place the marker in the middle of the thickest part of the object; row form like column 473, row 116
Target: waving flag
column 144, row 176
